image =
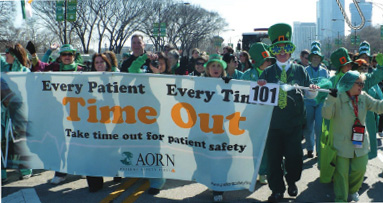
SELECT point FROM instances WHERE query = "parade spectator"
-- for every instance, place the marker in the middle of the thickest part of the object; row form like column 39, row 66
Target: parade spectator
column 262, row 59
column 244, row 61
column 372, row 118
column 174, row 64
column 350, row 137
column 159, row 64
column 285, row 132
column 193, row 59
column 199, row 70
column 16, row 60
column 364, row 52
column 111, row 56
column 227, row 49
column 66, row 62
column 232, row 64
column 313, row 128
column 101, row 63
column 304, row 58
column 138, row 48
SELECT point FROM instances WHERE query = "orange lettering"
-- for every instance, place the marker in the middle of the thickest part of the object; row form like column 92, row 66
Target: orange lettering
column 146, row 111
column 234, row 120
column 73, row 107
column 176, row 115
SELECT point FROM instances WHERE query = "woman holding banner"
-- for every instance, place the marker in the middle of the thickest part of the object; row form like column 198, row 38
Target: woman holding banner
column 16, row 60
column 66, row 62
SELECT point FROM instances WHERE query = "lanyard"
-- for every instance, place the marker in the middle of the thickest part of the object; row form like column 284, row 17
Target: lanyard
column 355, row 106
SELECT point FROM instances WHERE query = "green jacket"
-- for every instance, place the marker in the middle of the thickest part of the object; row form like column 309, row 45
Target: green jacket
column 340, row 112
column 294, row 114
column 251, row 74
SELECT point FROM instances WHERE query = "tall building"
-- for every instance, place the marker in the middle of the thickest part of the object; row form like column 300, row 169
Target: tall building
column 330, row 21
column 366, row 8
column 303, row 35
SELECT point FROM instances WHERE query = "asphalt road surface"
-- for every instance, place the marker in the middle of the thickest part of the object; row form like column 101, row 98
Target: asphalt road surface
column 75, row 189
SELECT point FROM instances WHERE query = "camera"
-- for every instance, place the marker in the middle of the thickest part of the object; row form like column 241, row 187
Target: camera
column 154, row 63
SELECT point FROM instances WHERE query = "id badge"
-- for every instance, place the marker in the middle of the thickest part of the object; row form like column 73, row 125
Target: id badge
column 358, row 132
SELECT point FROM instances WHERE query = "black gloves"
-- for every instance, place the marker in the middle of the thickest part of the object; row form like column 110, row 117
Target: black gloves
column 31, row 48
column 227, row 79
column 333, row 92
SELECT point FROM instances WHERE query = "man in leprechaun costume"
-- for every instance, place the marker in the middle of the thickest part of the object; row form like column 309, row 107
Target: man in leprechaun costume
column 285, row 132
column 313, row 128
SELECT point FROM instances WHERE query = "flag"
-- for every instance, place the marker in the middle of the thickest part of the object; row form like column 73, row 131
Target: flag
column 26, row 8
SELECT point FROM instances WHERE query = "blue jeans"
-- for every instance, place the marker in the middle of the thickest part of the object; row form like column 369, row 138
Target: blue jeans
column 313, row 129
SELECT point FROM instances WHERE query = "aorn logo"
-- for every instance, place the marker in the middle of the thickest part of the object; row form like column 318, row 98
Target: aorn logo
column 155, row 159
column 128, row 158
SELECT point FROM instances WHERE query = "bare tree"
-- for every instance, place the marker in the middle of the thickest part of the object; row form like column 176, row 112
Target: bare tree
column 7, row 29
column 123, row 20
column 46, row 10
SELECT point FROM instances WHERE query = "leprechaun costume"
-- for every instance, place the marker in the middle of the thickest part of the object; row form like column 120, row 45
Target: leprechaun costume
column 313, row 128
column 285, row 132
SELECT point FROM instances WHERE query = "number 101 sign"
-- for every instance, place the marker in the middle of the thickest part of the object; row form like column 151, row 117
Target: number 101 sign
column 266, row 94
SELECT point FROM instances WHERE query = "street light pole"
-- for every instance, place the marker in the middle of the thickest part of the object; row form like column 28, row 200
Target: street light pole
column 65, row 12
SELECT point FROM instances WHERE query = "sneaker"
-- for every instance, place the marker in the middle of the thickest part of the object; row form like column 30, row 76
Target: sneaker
column 218, row 198
column 263, row 179
column 355, row 197
column 24, row 177
column 57, row 180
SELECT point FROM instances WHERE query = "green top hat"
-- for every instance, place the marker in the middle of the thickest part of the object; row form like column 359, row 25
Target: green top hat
column 364, row 48
column 315, row 50
column 340, row 57
column 216, row 58
column 348, row 80
column 67, row 48
column 259, row 53
column 280, row 34
column 315, row 44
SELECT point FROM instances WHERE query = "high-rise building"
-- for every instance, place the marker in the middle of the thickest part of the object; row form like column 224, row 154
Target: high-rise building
column 303, row 35
column 330, row 21
column 366, row 8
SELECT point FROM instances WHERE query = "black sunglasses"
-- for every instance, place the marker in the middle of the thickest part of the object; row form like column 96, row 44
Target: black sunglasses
column 66, row 54
column 199, row 64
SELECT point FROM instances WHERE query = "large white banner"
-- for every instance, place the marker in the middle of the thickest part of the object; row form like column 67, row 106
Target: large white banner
column 138, row 125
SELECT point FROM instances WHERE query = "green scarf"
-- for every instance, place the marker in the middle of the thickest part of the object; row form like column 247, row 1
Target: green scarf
column 69, row 67
column 17, row 67
column 259, row 71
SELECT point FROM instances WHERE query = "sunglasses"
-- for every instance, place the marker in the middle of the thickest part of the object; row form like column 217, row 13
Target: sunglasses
column 199, row 64
column 288, row 48
column 66, row 54
column 361, row 84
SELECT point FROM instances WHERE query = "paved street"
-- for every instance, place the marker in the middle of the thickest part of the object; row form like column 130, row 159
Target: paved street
column 74, row 189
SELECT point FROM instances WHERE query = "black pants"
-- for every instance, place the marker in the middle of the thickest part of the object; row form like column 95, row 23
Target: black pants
column 284, row 143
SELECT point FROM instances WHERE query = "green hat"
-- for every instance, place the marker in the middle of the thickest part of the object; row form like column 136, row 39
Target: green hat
column 340, row 58
column 215, row 58
column 259, row 53
column 364, row 48
column 315, row 44
column 67, row 48
column 315, row 50
column 348, row 80
column 280, row 33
